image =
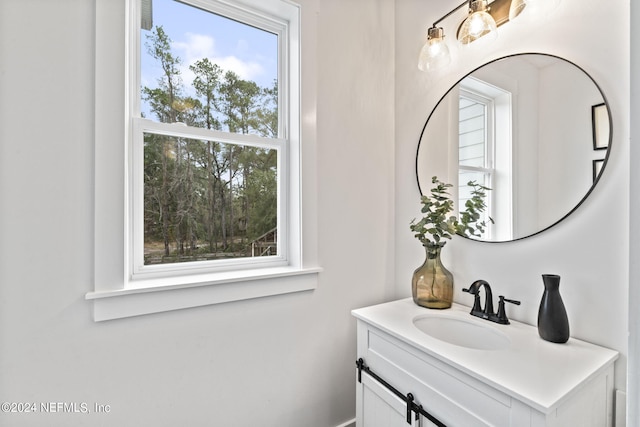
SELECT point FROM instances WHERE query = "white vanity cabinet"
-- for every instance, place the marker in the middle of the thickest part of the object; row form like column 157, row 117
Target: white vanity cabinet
column 529, row 383
column 381, row 408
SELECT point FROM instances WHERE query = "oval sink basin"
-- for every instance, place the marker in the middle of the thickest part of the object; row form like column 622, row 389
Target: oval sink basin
column 462, row 332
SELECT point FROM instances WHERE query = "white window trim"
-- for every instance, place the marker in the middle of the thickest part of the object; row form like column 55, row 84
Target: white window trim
column 115, row 295
column 500, row 155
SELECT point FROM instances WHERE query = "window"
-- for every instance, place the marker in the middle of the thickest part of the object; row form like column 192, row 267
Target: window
column 485, row 151
column 476, row 145
column 198, row 177
column 208, row 140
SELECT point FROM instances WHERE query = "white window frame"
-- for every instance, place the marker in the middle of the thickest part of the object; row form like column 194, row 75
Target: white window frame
column 121, row 287
column 489, row 148
column 489, row 126
column 499, row 154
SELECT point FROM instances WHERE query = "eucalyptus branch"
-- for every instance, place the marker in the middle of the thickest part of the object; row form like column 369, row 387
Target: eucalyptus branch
column 437, row 224
column 469, row 223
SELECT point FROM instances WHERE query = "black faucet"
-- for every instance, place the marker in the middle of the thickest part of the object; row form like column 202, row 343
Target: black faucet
column 487, row 313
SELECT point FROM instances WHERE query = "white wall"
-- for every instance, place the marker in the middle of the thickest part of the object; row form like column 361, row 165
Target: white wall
column 633, row 378
column 590, row 249
column 565, row 140
column 278, row 361
column 291, row 357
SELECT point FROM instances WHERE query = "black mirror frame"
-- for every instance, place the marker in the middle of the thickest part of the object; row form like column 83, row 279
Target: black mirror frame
column 596, row 179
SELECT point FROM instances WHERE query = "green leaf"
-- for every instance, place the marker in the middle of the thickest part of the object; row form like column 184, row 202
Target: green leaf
column 437, row 221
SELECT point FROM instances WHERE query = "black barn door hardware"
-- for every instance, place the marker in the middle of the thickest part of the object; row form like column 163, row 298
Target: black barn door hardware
column 409, row 399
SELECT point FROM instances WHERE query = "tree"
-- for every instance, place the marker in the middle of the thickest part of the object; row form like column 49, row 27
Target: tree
column 266, row 123
column 163, row 98
column 206, row 84
column 163, row 101
column 197, row 189
column 239, row 102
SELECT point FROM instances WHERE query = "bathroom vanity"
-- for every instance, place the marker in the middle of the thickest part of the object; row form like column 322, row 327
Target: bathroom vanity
column 461, row 371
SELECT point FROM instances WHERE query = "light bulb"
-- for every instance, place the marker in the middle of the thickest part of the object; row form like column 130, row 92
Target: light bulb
column 478, row 24
column 516, row 7
column 435, row 53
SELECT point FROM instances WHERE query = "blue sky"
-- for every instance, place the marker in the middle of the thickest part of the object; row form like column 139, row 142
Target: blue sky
column 195, row 34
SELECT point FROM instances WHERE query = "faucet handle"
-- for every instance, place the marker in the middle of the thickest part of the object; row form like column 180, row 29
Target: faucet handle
column 502, row 314
column 473, row 290
column 512, row 301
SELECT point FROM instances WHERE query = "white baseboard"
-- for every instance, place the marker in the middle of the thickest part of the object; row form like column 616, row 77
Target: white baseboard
column 620, row 419
column 352, row 423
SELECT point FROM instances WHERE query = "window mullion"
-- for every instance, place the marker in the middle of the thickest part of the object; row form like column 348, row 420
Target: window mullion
column 182, row 131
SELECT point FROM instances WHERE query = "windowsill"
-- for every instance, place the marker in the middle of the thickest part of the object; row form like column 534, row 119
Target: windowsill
column 160, row 295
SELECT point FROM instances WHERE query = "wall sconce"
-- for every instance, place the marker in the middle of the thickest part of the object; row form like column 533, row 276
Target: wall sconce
column 435, row 53
column 482, row 20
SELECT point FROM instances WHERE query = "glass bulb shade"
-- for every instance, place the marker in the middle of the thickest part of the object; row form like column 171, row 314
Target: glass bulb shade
column 476, row 25
column 517, row 6
column 435, row 53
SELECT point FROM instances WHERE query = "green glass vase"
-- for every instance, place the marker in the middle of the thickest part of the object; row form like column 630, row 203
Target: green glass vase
column 432, row 283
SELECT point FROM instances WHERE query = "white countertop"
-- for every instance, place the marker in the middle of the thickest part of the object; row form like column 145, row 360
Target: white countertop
column 530, row 369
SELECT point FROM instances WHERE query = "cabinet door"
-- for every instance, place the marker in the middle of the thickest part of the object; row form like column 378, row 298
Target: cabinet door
column 379, row 407
column 424, row 422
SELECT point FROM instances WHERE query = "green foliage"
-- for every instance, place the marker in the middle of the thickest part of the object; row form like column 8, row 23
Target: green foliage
column 470, row 224
column 207, row 83
column 437, row 224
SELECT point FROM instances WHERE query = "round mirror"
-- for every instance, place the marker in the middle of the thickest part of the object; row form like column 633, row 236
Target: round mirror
column 534, row 128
